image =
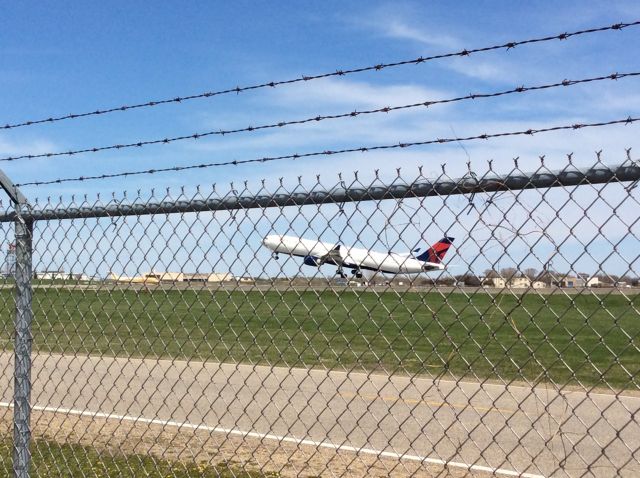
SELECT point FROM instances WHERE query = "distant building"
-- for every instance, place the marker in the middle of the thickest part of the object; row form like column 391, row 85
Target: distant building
column 245, row 280
column 149, row 277
column 155, row 277
column 589, row 281
column 52, row 275
column 514, row 283
column 171, row 277
column 592, row 282
column 78, row 277
column 496, row 282
column 9, row 267
column 570, row 282
column 222, row 277
column 520, row 283
column 196, row 277
column 174, row 277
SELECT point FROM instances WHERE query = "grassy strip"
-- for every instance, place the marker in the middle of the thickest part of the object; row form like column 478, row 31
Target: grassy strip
column 51, row 459
column 594, row 340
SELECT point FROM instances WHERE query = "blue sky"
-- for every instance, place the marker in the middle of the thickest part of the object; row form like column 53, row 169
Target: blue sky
column 61, row 57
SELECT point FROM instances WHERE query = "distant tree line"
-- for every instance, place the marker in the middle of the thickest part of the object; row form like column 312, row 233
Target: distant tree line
column 468, row 278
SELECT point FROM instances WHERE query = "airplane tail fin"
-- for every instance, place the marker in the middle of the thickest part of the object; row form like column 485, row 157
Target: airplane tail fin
column 436, row 252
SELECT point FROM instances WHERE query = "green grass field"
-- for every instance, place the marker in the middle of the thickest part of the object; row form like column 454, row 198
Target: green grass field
column 586, row 338
column 71, row 461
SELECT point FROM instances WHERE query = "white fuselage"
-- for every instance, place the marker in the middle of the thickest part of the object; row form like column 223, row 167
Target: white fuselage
column 350, row 257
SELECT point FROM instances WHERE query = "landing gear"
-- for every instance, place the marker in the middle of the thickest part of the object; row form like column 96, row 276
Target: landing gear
column 357, row 273
column 275, row 256
column 340, row 273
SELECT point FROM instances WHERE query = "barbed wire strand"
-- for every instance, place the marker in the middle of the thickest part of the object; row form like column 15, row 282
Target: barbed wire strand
column 363, row 149
column 272, row 84
column 318, row 118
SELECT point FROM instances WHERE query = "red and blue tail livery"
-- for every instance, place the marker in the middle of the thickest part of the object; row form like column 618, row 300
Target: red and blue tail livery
column 436, row 253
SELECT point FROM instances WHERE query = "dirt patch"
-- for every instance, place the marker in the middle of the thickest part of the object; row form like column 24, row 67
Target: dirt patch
column 252, row 454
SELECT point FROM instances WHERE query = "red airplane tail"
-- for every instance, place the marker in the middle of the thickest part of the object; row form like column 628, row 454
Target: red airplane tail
column 436, row 253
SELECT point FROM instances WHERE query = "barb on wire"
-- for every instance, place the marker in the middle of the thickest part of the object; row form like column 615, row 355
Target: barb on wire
column 362, row 149
column 342, row 72
column 318, row 118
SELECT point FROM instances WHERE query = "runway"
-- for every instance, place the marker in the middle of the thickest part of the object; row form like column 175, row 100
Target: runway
column 414, row 424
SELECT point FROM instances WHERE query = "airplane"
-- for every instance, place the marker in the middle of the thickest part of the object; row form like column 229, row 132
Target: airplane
column 317, row 253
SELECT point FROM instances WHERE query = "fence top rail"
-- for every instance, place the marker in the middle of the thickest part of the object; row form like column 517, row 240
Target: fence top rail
column 442, row 186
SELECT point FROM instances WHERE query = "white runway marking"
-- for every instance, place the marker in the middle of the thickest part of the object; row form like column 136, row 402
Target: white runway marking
column 279, row 438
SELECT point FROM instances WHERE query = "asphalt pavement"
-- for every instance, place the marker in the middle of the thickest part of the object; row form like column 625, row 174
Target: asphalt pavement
column 505, row 430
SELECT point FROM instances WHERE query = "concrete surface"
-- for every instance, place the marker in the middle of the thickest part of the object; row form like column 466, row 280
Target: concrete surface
column 507, row 430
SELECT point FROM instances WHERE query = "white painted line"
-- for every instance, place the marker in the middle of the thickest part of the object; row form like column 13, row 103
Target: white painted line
column 279, row 438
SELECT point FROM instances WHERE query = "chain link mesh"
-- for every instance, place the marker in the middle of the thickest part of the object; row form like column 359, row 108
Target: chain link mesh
column 176, row 344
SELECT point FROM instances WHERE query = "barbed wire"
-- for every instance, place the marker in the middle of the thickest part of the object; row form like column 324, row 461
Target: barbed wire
column 363, row 149
column 318, row 118
column 272, row 84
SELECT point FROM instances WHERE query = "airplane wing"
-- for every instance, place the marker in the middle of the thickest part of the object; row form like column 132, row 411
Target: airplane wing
column 334, row 256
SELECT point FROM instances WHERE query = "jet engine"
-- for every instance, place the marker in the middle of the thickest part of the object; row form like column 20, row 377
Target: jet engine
column 311, row 261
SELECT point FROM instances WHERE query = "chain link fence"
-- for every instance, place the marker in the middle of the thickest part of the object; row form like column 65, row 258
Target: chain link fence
column 169, row 338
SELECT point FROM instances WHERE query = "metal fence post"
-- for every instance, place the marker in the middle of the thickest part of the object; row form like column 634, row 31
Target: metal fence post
column 23, row 339
column 23, row 336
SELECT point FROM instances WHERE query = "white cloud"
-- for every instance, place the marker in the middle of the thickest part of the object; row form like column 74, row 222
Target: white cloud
column 15, row 148
column 351, row 94
column 611, row 101
column 374, row 131
column 342, row 95
column 399, row 29
column 394, row 25
column 494, row 70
